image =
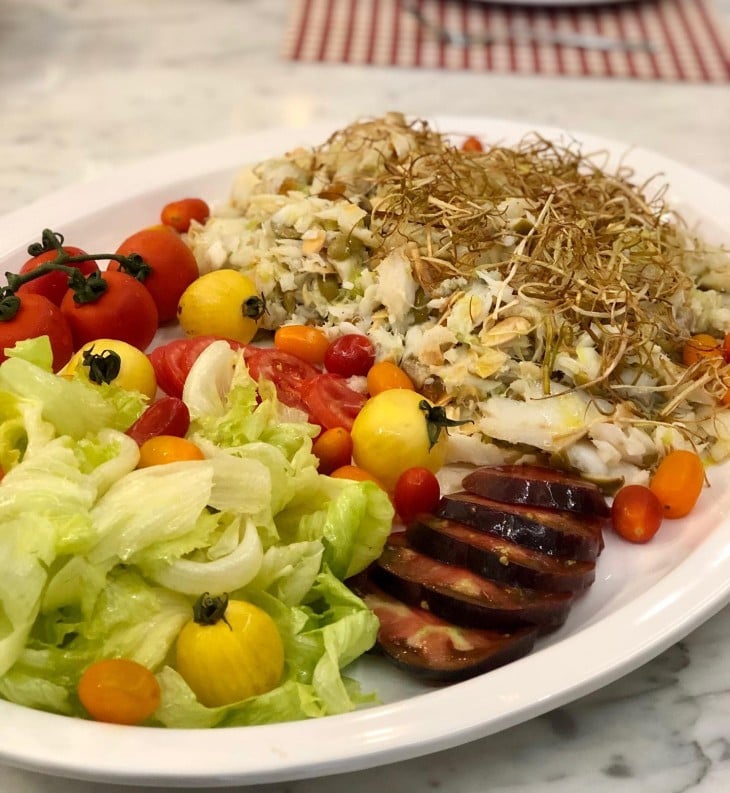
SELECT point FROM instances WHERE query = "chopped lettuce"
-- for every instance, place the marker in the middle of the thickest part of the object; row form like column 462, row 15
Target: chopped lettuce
column 101, row 559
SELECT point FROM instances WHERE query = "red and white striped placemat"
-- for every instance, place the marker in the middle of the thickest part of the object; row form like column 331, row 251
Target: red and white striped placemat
column 690, row 41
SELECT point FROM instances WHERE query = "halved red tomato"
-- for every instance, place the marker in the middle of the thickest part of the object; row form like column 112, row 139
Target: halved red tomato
column 174, row 360
column 287, row 372
column 331, row 402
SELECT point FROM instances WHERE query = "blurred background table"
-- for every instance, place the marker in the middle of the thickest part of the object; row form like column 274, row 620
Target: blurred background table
column 87, row 86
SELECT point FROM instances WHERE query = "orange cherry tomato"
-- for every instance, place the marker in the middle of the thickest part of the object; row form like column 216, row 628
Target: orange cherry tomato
column 355, row 473
column 333, row 448
column 385, row 375
column 180, row 214
column 678, row 482
column 472, row 143
column 302, row 341
column 162, row 449
column 701, row 346
column 636, row 513
column 119, row 691
column 173, row 266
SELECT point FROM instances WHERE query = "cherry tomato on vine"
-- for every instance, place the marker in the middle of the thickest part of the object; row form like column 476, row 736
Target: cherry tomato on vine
column 181, row 213
column 333, row 449
column 287, row 372
column 163, row 449
column 167, row 416
column 304, row 341
column 125, row 311
column 636, row 513
column 385, row 375
column 38, row 316
column 119, row 691
column 678, row 482
column 174, row 360
column 331, row 402
column 53, row 285
column 173, row 266
column 349, row 355
column 416, row 490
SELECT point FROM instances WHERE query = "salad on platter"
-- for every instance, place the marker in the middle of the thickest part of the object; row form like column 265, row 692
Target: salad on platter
column 476, row 344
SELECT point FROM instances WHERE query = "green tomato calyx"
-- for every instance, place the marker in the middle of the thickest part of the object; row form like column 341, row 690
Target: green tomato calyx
column 437, row 421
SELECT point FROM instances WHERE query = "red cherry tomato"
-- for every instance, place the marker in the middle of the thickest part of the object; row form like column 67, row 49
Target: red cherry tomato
column 180, row 214
column 125, row 311
column 173, row 266
column 53, row 285
column 636, row 513
column 331, row 402
column 173, row 361
column 167, row 416
column 38, row 316
column 287, row 372
column 416, row 490
column 349, row 355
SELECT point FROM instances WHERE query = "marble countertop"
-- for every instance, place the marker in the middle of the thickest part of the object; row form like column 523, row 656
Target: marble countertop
column 88, row 86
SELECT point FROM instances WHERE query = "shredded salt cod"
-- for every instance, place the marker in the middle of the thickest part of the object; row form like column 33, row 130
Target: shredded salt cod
column 527, row 289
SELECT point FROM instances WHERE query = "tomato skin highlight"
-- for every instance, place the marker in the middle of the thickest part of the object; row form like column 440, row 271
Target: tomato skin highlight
column 350, row 355
column 333, row 449
column 416, row 490
column 53, row 285
column 119, row 691
column 125, row 311
column 38, row 316
column 173, row 265
column 678, row 482
column 167, row 416
column 303, row 341
column 636, row 513
column 163, row 449
column 180, row 214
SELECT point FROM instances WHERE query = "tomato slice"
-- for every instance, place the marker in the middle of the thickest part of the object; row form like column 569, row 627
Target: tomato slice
column 173, row 361
column 287, row 372
column 331, row 402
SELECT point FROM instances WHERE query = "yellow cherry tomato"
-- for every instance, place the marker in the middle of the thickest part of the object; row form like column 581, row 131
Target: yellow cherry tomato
column 167, row 449
column 398, row 429
column 116, row 362
column 119, row 691
column 701, row 346
column 221, row 303
column 229, row 651
column 333, row 449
